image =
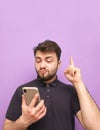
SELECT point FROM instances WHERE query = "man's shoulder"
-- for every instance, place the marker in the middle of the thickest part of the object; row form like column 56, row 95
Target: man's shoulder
column 28, row 84
column 65, row 85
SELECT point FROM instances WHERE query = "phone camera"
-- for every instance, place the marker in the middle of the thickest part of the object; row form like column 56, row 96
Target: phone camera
column 25, row 91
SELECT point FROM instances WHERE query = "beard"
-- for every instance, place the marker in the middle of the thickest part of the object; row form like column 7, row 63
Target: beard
column 47, row 77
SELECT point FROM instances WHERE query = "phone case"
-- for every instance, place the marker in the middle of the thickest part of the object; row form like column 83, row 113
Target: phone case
column 29, row 93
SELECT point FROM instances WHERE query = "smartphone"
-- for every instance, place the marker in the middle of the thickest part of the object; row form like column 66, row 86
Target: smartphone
column 29, row 93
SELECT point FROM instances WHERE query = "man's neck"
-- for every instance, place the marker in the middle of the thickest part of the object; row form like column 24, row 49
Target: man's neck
column 51, row 80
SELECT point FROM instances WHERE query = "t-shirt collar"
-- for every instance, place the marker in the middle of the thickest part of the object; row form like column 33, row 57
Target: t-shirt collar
column 42, row 84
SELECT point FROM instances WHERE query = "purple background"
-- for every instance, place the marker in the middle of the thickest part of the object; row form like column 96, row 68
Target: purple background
column 74, row 24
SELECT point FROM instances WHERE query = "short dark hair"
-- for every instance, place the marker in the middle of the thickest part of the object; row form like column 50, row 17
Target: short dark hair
column 48, row 46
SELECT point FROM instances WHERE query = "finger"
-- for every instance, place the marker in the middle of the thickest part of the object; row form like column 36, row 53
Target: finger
column 40, row 105
column 23, row 100
column 71, row 61
column 40, row 110
column 34, row 101
column 41, row 113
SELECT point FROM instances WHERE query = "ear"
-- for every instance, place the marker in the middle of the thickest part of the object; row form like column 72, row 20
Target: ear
column 59, row 62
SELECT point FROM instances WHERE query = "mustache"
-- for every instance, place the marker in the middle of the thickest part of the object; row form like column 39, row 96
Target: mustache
column 42, row 68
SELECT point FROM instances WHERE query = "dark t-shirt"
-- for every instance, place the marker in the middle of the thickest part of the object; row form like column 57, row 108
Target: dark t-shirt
column 60, row 99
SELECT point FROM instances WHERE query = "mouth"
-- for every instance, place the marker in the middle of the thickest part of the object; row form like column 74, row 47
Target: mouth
column 42, row 71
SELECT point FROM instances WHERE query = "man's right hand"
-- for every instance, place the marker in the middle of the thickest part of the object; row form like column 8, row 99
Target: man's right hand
column 32, row 113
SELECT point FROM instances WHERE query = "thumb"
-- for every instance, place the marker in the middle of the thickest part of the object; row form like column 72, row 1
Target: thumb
column 23, row 100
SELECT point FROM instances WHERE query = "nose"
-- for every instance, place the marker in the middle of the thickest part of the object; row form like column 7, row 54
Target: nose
column 42, row 64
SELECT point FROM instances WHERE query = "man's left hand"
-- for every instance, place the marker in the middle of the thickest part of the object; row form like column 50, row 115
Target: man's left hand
column 72, row 73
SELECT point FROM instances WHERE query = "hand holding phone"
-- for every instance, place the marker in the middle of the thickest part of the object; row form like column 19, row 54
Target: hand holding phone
column 29, row 93
column 30, row 112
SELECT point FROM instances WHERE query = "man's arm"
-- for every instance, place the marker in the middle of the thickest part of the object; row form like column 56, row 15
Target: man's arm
column 30, row 114
column 89, row 115
column 13, row 125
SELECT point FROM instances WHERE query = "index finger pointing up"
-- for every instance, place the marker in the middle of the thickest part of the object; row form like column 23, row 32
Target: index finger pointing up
column 71, row 61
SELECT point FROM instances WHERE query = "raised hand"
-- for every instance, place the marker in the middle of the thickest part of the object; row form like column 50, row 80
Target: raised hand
column 72, row 73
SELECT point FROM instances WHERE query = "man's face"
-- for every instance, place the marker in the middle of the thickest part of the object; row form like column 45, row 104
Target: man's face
column 46, row 64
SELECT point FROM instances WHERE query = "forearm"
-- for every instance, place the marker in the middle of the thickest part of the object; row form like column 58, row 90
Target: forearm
column 14, row 125
column 89, row 110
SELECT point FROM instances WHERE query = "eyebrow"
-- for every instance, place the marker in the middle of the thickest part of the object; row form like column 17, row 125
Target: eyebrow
column 45, row 57
column 49, row 57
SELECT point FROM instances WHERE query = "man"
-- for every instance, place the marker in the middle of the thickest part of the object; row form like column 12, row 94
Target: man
column 59, row 102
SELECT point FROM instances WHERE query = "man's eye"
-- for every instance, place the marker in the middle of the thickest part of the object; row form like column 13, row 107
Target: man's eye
column 49, row 60
column 38, row 60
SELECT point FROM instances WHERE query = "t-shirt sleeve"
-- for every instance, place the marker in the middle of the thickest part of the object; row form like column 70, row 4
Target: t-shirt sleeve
column 75, row 102
column 14, row 108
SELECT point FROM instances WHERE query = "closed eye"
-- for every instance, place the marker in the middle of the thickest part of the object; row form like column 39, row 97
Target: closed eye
column 49, row 59
column 37, row 60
